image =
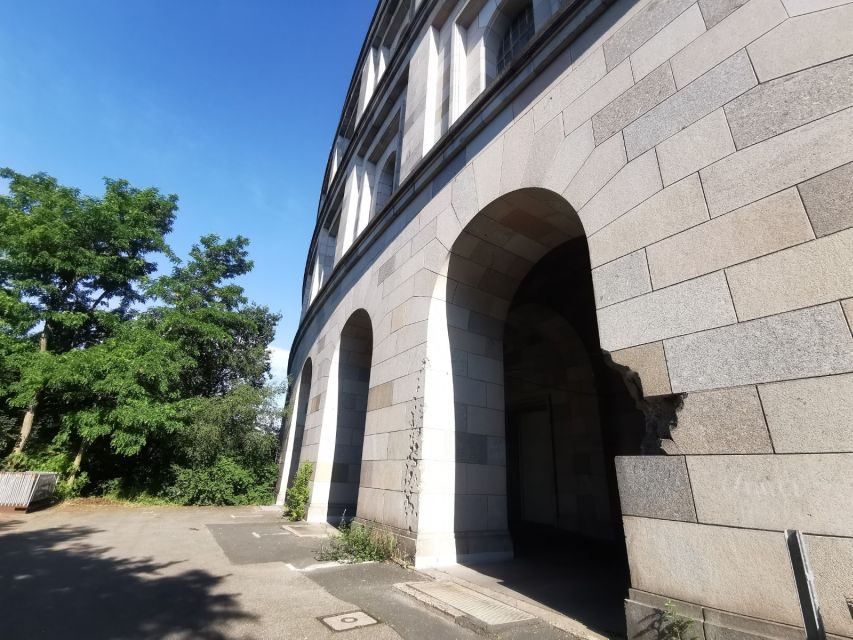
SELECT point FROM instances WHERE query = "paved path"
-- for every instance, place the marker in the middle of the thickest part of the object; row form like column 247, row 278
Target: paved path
column 111, row 571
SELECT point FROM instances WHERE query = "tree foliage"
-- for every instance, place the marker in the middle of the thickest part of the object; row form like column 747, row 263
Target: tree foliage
column 170, row 399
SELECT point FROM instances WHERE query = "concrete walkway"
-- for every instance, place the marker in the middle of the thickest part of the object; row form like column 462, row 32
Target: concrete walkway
column 113, row 571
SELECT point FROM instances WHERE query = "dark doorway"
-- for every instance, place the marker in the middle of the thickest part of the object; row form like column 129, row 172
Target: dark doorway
column 302, row 400
column 354, row 360
column 567, row 416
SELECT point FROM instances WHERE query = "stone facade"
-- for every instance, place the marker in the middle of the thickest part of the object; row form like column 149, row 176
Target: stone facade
column 648, row 214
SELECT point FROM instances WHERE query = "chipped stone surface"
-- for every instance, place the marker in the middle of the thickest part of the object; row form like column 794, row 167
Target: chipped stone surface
column 829, row 200
column 649, row 362
column 788, row 102
column 797, row 344
column 724, row 421
column 718, row 86
column 762, row 227
column 655, row 487
column 811, row 415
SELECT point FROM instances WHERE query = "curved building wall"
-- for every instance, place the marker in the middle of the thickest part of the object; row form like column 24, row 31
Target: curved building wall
column 702, row 152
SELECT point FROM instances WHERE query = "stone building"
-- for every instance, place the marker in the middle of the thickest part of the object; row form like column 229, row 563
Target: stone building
column 582, row 276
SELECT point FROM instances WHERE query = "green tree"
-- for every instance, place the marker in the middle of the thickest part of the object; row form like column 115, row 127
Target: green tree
column 71, row 269
column 208, row 315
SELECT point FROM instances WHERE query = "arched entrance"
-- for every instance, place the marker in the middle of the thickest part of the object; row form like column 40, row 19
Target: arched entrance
column 354, row 360
column 293, row 444
column 539, row 414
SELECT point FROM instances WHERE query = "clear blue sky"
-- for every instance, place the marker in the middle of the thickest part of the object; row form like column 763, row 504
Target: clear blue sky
column 231, row 105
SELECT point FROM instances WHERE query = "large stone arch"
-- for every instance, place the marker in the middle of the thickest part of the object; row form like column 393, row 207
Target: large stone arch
column 294, row 434
column 337, row 475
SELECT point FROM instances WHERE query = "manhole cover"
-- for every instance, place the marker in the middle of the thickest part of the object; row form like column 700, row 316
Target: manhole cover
column 490, row 613
column 346, row 621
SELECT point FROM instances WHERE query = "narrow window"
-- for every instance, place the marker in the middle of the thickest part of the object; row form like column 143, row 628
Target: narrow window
column 517, row 35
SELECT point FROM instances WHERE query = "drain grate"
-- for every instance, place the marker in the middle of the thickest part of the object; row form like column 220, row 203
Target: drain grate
column 484, row 611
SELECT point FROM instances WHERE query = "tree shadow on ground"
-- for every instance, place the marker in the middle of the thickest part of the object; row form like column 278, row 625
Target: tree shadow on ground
column 54, row 584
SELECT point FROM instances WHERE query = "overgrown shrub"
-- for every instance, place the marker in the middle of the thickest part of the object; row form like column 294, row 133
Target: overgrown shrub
column 296, row 502
column 358, row 543
column 225, row 482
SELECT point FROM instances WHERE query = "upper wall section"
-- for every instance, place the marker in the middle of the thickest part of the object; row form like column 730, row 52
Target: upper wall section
column 423, row 65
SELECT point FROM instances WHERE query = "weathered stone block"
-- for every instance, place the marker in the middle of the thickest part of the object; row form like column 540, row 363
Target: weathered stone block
column 649, row 362
column 487, row 173
column 721, row 421
column 695, row 147
column 621, row 279
column 739, row 570
column 598, row 96
column 648, row 21
column 718, row 86
column 636, row 181
column 518, row 141
column 601, row 165
column 831, row 560
column 799, row 7
column 762, row 227
column 713, row 11
column 667, row 42
column 785, row 103
column 809, row 492
column 581, row 77
column 802, row 276
column 721, row 625
column 684, row 308
column 573, row 151
column 733, row 33
column 651, row 90
column 779, row 163
column 675, row 208
column 655, row 487
column 803, row 42
column 798, row 344
column 644, row 621
column 829, row 200
column 811, row 415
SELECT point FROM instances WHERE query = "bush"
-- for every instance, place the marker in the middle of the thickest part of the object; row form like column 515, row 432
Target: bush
column 358, row 543
column 296, row 502
column 225, row 482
